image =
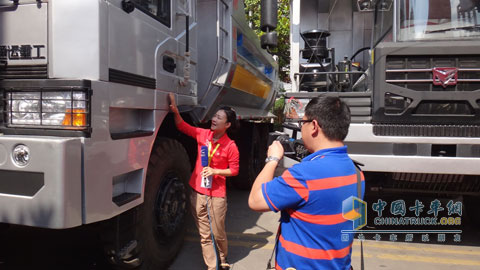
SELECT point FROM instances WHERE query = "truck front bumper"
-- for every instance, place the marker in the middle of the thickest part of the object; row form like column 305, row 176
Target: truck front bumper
column 47, row 192
column 413, row 154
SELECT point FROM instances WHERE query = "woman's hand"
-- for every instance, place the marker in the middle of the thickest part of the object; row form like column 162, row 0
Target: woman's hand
column 207, row 171
column 173, row 105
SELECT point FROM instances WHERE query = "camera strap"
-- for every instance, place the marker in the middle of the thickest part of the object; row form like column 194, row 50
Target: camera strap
column 269, row 264
column 359, row 195
column 358, row 172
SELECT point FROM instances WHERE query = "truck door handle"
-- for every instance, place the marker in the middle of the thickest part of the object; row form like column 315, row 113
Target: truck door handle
column 169, row 64
column 5, row 3
column 128, row 6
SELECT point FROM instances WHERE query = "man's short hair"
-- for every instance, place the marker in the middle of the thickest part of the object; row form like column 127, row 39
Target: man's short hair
column 332, row 114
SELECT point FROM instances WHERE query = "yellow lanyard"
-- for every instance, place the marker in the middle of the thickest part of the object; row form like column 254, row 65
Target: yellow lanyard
column 210, row 156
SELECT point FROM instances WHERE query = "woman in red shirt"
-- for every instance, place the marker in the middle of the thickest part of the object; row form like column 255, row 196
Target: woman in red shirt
column 209, row 202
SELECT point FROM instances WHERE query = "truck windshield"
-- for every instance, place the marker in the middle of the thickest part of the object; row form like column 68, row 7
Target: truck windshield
column 438, row 19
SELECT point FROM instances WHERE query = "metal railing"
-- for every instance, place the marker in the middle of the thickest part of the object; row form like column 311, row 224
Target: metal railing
column 338, row 86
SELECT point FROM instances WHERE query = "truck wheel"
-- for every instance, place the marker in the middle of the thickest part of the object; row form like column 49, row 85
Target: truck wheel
column 161, row 218
column 252, row 144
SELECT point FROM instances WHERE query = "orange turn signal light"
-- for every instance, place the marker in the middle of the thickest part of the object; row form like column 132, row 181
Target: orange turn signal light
column 75, row 118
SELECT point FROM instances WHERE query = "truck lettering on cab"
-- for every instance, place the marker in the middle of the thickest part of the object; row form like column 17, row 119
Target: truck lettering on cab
column 21, row 52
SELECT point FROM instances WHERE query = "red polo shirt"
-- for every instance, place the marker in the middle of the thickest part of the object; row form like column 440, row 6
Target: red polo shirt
column 226, row 157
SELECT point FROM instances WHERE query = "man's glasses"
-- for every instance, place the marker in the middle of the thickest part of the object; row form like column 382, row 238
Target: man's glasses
column 302, row 122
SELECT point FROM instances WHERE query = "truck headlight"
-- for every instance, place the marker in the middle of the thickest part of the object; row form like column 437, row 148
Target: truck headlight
column 48, row 109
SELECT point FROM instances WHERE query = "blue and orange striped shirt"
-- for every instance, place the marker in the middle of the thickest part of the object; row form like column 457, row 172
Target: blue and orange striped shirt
column 309, row 196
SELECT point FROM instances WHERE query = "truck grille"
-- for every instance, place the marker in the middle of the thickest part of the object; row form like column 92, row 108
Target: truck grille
column 426, row 130
column 416, row 72
column 8, row 72
column 435, row 183
column 433, row 95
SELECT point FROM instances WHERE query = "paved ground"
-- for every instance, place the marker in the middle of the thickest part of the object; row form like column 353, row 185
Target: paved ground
column 252, row 237
column 251, row 240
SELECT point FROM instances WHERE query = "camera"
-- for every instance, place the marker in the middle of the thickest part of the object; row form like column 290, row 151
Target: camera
column 293, row 148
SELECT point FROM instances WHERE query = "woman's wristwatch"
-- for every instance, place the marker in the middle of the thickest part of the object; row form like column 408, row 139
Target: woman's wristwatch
column 270, row 158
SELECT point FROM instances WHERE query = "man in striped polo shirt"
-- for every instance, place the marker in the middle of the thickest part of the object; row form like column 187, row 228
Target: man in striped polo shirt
column 310, row 193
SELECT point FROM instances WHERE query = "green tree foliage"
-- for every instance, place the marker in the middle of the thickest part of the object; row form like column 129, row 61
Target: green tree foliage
column 252, row 10
column 277, row 110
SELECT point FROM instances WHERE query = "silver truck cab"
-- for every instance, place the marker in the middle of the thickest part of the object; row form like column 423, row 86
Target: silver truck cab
column 85, row 131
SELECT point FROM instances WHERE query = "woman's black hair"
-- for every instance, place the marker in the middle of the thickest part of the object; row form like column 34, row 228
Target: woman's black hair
column 231, row 117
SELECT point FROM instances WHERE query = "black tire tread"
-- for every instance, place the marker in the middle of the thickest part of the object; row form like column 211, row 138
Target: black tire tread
column 154, row 255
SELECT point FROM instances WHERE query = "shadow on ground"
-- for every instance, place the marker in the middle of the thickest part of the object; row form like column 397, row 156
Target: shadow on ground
column 31, row 249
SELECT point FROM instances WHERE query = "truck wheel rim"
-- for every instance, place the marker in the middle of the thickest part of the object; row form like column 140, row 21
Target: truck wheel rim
column 170, row 206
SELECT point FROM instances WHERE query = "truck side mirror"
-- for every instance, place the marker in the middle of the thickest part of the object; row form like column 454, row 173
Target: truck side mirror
column 365, row 5
column 369, row 5
column 268, row 19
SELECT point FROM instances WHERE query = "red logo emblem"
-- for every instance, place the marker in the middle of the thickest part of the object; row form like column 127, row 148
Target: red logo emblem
column 445, row 76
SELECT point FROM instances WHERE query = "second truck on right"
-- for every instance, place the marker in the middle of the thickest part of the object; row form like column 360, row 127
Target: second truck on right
column 415, row 97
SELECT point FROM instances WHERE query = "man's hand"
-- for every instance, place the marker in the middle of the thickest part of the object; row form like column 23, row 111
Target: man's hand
column 275, row 150
column 256, row 201
column 173, row 105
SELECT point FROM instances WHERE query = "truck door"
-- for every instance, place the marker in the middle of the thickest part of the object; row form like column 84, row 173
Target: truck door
column 142, row 43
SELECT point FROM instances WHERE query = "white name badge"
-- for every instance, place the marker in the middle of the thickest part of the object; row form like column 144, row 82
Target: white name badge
column 206, row 182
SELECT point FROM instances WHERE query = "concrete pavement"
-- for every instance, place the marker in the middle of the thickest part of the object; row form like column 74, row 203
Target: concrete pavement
column 251, row 240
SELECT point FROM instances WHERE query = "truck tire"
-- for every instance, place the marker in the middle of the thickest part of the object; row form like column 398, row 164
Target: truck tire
column 252, row 145
column 160, row 226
